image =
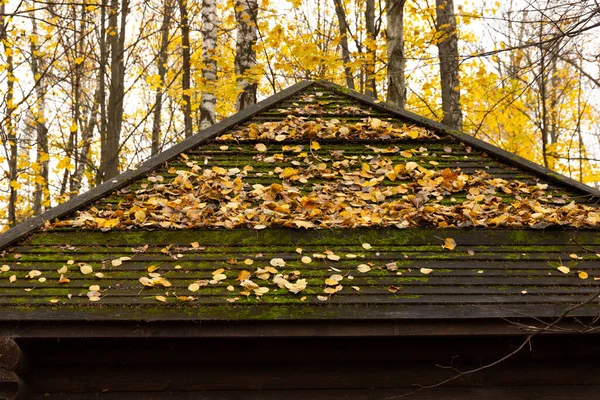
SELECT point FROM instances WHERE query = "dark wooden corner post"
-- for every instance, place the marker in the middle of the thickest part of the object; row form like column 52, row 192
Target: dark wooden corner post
column 12, row 363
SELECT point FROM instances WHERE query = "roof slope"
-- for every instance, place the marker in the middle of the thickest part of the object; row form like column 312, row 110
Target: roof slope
column 214, row 228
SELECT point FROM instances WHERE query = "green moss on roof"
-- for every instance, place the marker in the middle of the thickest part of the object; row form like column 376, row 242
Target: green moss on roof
column 220, row 231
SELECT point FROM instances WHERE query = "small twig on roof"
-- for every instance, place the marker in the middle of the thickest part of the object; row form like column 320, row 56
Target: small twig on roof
column 583, row 247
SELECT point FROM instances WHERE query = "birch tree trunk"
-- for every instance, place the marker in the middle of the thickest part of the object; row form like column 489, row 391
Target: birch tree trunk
column 208, row 100
column 448, row 54
column 343, row 27
column 395, row 51
column 186, row 67
column 161, row 62
column 245, row 54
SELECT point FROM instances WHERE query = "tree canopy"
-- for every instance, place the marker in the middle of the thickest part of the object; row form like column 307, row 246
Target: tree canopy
column 93, row 88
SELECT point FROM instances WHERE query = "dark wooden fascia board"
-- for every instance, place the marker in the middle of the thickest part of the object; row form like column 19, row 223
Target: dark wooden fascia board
column 493, row 151
column 23, row 229
column 285, row 328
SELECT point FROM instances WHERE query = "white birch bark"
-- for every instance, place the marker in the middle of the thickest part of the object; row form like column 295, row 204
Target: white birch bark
column 208, row 100
column 245, row 55
column 448, row 54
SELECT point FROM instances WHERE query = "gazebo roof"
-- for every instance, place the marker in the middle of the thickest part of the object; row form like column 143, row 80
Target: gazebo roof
column 317, row 204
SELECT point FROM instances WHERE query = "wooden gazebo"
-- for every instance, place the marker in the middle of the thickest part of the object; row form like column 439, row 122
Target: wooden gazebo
column 316, row 245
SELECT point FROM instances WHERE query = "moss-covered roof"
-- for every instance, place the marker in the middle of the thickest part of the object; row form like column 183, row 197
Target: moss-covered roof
column 318, row 204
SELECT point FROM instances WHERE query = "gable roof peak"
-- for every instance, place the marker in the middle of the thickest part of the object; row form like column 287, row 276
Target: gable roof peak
column 239, row 118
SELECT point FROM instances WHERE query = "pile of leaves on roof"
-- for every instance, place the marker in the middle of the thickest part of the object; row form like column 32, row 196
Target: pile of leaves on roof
column 318, row 188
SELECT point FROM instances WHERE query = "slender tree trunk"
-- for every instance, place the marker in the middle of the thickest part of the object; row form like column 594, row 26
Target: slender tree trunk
column 84, row 151
column 544, row 104
column 8, row 123
column 245, row 54
column 102, row 94
column 370, row 44
column 343, row 26
column 395, row 50
column 208, row 100
column 448, row 55
column 79, row 77
column 71, row 150
column 117, row 87
column 41, row 195
column 162, row 72
column 186, row 66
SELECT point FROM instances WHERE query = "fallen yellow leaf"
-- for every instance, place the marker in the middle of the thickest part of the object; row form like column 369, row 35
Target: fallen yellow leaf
column 260, row 147
column 449, row 244
column 116, row 263
column 244, row 275
column 363, row 268
column 563, row 269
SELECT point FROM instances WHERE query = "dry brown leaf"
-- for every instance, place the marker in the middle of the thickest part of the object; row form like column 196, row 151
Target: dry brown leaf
column 393, row 289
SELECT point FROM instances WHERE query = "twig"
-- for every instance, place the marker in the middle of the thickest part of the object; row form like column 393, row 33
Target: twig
column 526, row 342
column 583, row 247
